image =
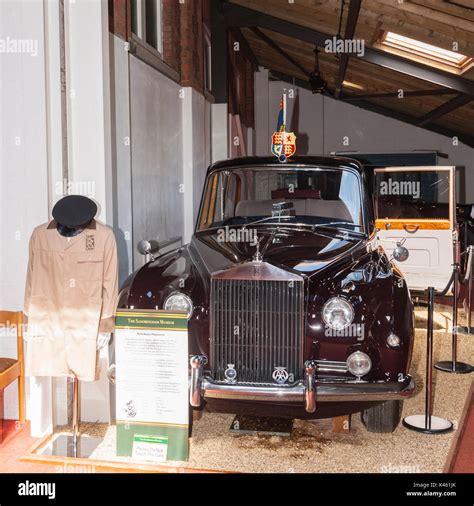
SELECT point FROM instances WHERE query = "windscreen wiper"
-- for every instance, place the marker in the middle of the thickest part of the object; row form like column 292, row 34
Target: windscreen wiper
column 331, row 226
column 262, row 220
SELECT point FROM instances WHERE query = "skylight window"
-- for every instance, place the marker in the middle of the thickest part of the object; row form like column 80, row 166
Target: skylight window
column 425, row 53
column 352, row 85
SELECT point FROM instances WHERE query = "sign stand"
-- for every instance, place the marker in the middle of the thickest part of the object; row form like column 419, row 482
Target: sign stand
column 453, row 366
column 427, row 423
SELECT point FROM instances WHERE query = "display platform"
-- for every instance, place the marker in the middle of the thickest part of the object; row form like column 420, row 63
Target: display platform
column 313, row 446
column 40, row 453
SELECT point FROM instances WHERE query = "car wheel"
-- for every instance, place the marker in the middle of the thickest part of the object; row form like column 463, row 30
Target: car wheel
column 384, row 417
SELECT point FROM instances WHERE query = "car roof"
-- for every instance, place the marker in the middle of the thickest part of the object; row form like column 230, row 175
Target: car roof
column 321, row 161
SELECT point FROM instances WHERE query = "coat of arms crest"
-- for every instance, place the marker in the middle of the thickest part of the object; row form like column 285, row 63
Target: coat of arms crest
column 283, row 145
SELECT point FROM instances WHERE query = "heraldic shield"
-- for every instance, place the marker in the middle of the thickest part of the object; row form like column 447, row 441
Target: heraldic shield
column 283, row 145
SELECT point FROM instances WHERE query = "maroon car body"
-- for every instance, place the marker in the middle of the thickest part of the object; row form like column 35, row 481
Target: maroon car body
column 249, row 320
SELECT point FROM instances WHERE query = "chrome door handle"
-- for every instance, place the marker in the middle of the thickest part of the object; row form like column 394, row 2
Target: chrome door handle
column 411, row 229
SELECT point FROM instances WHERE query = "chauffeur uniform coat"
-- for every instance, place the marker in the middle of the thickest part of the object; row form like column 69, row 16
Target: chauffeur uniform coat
column 70, row 297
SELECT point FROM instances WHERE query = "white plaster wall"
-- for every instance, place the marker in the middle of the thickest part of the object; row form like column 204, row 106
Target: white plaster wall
column 219, row 132
column 321, row 124
column 201, row 148
column 262, row 104
column 170, row 152
column 31, row 151
column 121, row 154
column 23, row 153
column 23, row 160
column 87, row 62
column 196, row 154
column 157, row 158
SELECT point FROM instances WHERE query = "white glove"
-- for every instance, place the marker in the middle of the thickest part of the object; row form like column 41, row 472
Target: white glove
column 103, row 339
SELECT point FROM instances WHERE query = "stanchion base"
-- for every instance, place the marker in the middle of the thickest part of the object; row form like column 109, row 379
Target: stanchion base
column 418, row 423
column 459, row 367
column 63, row 446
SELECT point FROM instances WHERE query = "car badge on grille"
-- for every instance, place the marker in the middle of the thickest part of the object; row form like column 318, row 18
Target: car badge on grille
column 230, row 373
column 280, row 375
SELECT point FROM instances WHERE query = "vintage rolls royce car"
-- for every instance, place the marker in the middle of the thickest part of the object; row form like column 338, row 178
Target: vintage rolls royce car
column 294, row 309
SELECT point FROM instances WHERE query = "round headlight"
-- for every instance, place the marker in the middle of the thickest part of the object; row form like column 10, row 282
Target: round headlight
column 179, row 302
column 359, row 363
column 338, row 313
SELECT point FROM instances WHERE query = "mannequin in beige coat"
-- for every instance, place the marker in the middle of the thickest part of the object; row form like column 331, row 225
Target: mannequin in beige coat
column 70, row 298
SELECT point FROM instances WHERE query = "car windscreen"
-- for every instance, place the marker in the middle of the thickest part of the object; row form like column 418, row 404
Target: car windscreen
column 313, row 196
column 412, row 194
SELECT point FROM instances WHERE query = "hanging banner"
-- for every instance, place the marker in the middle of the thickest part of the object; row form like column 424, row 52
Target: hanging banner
column 152, row 399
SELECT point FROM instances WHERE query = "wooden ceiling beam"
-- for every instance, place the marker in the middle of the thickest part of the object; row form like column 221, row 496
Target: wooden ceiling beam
column 406, row 23
column 359, row 72
column 281, row 51
column 396, row 94
column 449, row 106
column 384, row 111
column 366, row 76
column 431, row 14
column 351, row 24
column 450, row 7
column 242, row 16
column 219, row 43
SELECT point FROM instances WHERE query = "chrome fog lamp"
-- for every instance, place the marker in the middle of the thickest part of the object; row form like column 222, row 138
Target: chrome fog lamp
column 359, row 363
column 179, row 302
column 338, row 313
column 393, row 340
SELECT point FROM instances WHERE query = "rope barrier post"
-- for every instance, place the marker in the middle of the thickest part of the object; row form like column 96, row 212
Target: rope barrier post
column 453, row 366
column 468, row 279
column 469, row 295
column 427, row 423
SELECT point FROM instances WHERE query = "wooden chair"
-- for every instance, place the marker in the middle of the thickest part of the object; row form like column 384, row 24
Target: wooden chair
column 10, row 368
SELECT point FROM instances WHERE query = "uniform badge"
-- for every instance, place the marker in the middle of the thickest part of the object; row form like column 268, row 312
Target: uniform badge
column 283, row 145
column 90, row 242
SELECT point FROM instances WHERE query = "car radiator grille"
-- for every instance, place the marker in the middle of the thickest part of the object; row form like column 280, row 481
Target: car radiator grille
column 256, row 326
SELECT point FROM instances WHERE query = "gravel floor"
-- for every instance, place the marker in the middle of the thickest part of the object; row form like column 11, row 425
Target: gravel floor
column 314, row 448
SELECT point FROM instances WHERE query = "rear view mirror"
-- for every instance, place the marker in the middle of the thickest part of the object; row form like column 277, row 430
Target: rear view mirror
column 147, row 247
column 144, row 247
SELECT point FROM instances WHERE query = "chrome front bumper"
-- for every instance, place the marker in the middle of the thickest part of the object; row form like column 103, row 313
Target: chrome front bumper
column 305, row 392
